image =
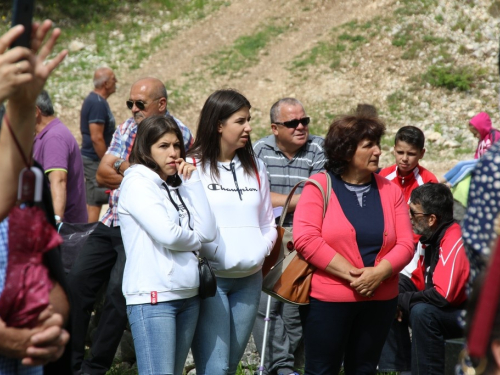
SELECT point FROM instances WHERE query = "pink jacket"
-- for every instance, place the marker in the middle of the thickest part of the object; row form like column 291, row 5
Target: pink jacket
column 488, row 135
column 319, row 240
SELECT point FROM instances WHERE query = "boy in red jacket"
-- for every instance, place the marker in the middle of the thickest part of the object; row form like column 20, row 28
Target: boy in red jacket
column 408, row 150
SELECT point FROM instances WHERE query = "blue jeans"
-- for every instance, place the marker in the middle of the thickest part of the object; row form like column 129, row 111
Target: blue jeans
column 461, row 170
column 431, row 326
column 163, row 334
column 225, row 324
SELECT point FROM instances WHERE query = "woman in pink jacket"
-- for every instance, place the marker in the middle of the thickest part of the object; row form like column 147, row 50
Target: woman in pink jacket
column 359, row 247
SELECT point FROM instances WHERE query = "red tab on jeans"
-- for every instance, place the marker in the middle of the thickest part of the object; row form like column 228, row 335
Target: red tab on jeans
column 154, row 298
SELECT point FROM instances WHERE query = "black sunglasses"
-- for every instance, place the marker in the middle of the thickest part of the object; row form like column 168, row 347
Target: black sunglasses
column 413, row 213
column 294, row 123
column 138, row 103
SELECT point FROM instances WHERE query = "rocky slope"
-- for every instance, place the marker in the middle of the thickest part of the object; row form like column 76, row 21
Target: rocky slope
column 398, row 55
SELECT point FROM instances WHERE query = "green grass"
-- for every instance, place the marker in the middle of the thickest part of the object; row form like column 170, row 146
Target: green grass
column 323, row 52
column 449, row 77
column 460, row 24
column 387, row 141
column 413, row 50
column 464, row 150
column 395, row 100
column 431, row 39
column 330, row 52
column 352, row 25
column 244, row 52
column 405, row 35
column 118, row 370
column 355, row 40
column 144, row 26
column 415, row 7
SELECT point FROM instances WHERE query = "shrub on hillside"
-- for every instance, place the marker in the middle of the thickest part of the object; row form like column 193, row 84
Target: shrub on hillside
column 449, row 77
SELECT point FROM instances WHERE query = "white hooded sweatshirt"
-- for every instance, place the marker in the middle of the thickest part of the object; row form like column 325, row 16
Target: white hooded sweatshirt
column 245, row 222
column 158, row 241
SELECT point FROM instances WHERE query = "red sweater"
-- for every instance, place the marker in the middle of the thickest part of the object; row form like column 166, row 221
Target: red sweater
column 318, row 240
column 419, row 176
column 446, row 272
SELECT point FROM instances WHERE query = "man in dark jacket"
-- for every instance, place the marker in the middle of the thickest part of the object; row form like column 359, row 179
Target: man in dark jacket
column 432, row 292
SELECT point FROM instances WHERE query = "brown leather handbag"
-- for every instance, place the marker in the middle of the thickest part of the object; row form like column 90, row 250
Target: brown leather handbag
column 287, row 275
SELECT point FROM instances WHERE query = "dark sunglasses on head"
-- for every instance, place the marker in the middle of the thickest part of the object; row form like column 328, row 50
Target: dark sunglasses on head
column 294, row 123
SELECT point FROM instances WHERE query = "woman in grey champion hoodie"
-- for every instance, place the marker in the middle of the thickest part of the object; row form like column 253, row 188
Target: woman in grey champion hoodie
column 237, row 188
column 165, row 217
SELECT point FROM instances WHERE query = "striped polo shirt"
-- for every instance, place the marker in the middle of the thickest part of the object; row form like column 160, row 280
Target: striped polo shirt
column 284, row 173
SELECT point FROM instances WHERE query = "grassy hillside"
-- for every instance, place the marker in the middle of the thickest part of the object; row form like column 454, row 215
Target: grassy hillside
column 429, row 63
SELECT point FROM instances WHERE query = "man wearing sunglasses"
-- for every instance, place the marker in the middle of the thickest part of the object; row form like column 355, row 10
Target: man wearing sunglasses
column 97, row 125
column 433, row 296
column 291, row 154
column 102, row 258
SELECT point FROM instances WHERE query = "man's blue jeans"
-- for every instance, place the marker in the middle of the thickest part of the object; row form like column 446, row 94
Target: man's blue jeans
column 424, row 354
column 163, row 334
column 225, row 324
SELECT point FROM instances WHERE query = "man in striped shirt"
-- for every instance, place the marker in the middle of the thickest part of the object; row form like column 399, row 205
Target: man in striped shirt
column 291, row 154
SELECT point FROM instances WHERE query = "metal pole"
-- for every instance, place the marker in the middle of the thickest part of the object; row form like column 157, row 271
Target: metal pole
column 264, row 339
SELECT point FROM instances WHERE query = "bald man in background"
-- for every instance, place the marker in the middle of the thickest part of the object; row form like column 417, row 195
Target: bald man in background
column 97, row 125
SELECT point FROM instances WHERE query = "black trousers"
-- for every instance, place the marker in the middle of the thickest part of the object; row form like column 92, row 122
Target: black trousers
column 101, row 260
column 425, row 352
column 354, row 332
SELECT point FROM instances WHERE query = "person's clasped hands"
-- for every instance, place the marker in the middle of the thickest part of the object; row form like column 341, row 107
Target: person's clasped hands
column 367, row 279
column 35, row 346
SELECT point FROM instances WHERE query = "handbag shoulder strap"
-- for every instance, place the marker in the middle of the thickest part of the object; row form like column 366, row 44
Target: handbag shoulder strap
column 326, row 196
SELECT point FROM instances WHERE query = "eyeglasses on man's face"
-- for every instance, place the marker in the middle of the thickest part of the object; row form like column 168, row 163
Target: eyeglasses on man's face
column 292, row 124
column 141, row 105
column 414, row 213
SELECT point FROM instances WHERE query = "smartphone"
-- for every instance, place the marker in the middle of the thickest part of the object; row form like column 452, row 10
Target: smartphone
column 22, row 14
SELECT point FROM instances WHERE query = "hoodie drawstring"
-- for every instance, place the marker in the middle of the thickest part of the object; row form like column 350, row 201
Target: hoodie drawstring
column 177, row 206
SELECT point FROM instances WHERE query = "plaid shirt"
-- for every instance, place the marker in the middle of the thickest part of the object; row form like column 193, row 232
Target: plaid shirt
column 121, row 146
column 10, row 366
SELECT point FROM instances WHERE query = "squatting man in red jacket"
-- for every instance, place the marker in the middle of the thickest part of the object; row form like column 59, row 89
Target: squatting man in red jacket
column 431, row 288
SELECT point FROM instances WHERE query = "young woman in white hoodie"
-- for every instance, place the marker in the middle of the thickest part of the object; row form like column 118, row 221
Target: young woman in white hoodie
column 237, row 188
column 165, row 217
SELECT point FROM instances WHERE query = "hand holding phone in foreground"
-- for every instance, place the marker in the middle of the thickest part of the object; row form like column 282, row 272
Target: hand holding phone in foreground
column 23, row 74
column 34, row 69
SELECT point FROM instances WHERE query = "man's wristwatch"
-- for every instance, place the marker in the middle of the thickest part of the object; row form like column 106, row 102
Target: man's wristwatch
column 117, row 164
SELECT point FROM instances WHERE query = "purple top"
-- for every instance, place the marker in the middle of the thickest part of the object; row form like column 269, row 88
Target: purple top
column 55, row 148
